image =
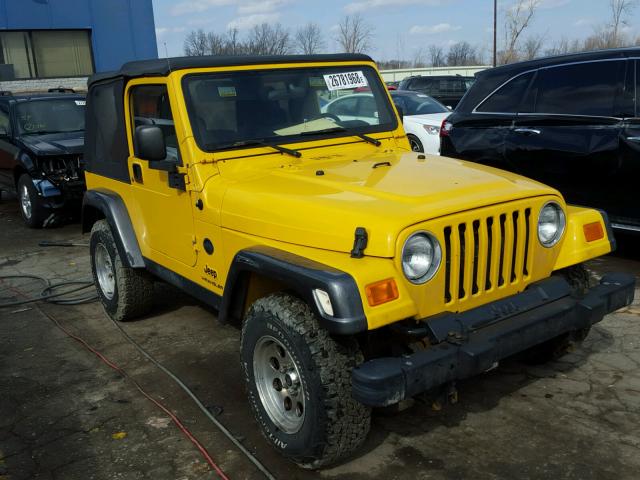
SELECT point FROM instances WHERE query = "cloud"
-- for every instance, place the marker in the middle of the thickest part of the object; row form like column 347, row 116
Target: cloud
column 248, row 21
column 362, row 5
column 265, row 6
column 164, row 30
column 582, row 22
column 197, row 6
column 548, row 4
column 433, row 29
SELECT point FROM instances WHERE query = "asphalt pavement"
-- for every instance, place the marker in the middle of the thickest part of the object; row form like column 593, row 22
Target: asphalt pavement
column 64, row 414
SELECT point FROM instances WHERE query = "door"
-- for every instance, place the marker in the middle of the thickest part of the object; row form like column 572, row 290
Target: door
column 566, row 133
column 480, row 136
column 627, row 213
column 165, row 223
column 8, row 151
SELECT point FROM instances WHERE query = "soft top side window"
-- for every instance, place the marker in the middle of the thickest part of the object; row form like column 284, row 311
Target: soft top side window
column 150, row 106
column 5, row 124
column 507, row 98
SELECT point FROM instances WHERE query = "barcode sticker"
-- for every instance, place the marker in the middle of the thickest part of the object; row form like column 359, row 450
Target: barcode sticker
column 346, row 80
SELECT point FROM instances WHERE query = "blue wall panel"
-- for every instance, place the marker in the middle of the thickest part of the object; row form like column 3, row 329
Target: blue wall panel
column 121, row 30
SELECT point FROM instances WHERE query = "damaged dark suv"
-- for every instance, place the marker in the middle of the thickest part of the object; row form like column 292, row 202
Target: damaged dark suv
column 41, row 144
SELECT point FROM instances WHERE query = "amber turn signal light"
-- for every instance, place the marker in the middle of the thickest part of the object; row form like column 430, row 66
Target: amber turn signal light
column 593, row 231
column 382, row 292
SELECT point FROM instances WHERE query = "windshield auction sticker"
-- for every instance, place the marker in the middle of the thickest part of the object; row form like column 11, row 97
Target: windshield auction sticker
column 344, row 81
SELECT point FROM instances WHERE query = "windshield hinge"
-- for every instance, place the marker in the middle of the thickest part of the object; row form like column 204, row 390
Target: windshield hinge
column 359, row 243
column 178, row 180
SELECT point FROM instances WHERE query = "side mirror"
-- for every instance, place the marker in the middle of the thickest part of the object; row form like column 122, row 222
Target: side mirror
column 149, row 142
column 400, row 113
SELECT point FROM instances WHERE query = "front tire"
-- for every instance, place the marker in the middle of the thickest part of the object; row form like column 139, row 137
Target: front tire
column 299, row 383
column 125, row 292
column 34, row 212
column 579, row 280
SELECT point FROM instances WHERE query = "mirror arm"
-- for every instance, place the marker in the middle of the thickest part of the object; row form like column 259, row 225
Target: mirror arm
column 165, row 165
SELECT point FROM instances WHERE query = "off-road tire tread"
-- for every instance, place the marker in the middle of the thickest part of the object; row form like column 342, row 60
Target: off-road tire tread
column 348, row 421
column 134, row 286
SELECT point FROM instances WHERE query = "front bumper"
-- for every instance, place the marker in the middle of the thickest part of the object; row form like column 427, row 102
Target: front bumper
column 472, row 342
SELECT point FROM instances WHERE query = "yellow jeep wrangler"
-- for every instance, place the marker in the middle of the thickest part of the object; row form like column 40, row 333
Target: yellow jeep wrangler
column 361, row 273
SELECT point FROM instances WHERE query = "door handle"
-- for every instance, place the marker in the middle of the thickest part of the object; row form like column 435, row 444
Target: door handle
column 137, row 173
column 528, row 131
column 633, row 139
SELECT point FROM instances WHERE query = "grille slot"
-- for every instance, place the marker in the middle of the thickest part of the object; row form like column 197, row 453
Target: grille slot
column 487, row 253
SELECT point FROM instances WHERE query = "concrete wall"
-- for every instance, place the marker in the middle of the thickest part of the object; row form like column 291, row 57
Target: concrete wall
column 79, row 84
column 121, row 30
column 399, row 74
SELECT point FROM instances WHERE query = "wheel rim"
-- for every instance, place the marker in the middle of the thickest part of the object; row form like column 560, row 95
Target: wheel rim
column 104, row 271
column 415, row 146
column 25, row 201
column 279, row 384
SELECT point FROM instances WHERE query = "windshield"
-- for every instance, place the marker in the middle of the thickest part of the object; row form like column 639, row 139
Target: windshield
column 50, row 116
column 418, row 104
column 281, row 106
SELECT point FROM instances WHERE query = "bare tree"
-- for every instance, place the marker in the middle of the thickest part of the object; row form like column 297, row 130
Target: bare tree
column 517, row 18
column 532, row 47
column 196, row 43
column 354, row 34
column 436, row 56
column 265, row 39
column 460, row 54
column 621, row 10
column 419, row 58
column 308, row 39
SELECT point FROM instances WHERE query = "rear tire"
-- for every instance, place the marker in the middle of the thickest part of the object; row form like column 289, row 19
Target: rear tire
column 34, row 212
column 578, row 278
column 416, row 144
column 313, row 420
column 125, row 292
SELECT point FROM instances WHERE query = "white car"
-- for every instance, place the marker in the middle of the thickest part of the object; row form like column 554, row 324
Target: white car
column 423, row 117
column 357, row 106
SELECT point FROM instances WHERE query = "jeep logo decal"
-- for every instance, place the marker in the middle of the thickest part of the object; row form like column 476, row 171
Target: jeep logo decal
column 209, row 271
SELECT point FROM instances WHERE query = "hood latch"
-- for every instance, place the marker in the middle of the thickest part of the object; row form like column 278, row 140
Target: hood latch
column 359, row 243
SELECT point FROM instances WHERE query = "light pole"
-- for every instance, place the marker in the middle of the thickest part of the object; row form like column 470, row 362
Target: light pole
column 495, row 28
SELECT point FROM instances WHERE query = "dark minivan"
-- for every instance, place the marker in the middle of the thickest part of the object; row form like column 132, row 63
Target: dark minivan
column 572, row 122
column 447, row 89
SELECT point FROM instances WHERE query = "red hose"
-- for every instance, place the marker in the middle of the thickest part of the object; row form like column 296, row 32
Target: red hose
column 173, row 417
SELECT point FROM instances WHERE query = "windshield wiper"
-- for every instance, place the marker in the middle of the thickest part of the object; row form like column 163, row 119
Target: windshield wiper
column 364, row 137
column 41, row 132
column 257, row 143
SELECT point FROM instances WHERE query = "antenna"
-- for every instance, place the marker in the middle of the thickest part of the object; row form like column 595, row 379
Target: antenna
column 166, row 53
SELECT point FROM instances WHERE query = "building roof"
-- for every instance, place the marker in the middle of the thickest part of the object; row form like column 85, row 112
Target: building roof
column 163, row 66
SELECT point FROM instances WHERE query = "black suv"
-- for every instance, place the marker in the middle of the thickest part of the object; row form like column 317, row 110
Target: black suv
column 447, row 89
column 572, row 122
column 41, row 144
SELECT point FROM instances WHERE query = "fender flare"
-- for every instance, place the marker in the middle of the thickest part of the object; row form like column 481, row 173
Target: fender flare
column 302, row 276
column 112, row 208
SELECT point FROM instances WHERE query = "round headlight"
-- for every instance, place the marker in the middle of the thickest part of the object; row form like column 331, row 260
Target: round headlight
column 421, row 256
column 551, row 223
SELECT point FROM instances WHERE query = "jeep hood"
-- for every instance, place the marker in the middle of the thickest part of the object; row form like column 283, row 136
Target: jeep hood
column 319, row 203
column 70, row 143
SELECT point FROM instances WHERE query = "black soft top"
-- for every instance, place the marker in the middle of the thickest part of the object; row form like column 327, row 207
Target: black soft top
column 163, row 66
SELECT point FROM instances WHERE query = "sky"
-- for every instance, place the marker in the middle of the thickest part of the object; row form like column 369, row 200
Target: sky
column 400, row 26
